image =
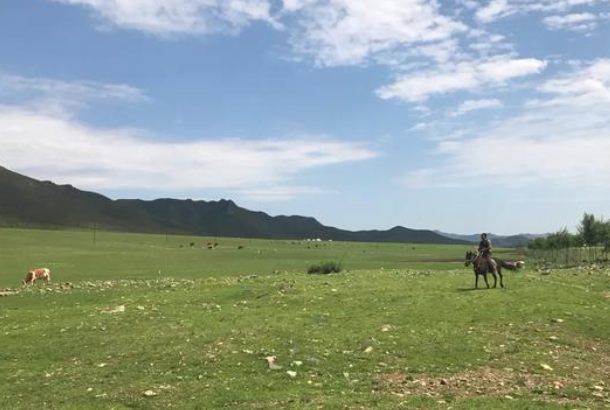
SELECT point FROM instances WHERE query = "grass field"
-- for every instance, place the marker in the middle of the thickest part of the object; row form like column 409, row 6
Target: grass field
column 191, row 327
column 72, row 255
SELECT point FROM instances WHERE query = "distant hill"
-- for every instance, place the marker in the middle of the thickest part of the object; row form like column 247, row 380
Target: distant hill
column 510, row 241
column 27, row 202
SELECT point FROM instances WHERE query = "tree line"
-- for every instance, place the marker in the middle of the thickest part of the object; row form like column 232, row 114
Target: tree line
column 590, row 244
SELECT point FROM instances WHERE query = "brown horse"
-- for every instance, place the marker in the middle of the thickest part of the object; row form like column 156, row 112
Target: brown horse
column 481, row 267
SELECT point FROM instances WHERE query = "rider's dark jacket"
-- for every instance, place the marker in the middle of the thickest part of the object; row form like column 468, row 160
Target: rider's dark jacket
column 485, row 247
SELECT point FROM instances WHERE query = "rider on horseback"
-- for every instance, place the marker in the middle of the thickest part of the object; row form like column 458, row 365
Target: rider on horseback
column 485, row 253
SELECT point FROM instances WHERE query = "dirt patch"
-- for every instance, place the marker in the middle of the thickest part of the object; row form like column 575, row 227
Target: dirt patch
column 487, row 381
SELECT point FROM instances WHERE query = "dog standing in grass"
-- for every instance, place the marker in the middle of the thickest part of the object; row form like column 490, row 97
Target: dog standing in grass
column 40, row 273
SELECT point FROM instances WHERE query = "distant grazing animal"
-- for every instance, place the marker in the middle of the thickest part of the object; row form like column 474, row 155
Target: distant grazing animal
column 40, row 273
column 480, row 267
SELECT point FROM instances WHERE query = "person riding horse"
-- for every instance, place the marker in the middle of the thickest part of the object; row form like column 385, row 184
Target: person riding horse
column 485, row 254
column 483, row 263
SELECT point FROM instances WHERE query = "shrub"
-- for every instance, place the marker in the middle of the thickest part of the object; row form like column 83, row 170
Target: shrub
column 324, row 268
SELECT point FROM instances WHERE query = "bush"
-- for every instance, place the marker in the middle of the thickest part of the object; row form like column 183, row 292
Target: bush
column 324, row 268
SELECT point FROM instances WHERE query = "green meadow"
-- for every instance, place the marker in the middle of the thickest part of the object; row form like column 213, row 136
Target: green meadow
column 150, row 322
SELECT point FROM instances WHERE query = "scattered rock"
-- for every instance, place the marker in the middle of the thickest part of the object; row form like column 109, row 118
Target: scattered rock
column 118, row 309
column 386, row 328
column 291, row 373
column 272, row 364
column 368, row 349
column 546, row 367
column 149, row 393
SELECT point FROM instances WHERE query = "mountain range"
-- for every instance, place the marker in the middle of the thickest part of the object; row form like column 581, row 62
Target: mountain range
column 27, row 202
column 509, row 241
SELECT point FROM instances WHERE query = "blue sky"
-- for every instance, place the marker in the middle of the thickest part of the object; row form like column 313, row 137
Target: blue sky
column 458, row 115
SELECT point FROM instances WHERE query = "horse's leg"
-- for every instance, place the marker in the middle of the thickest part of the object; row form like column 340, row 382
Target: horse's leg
column 495, row 280
column 486, row 281
column 500, row 274
column 476, row 280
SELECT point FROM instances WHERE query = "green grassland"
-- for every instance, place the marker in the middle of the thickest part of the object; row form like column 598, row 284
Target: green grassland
column 73, row 256
column 401, row 328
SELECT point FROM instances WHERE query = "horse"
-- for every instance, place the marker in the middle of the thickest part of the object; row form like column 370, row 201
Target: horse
column 481, row 267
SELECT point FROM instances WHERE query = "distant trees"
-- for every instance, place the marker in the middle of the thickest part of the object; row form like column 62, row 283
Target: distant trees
column 591, row 244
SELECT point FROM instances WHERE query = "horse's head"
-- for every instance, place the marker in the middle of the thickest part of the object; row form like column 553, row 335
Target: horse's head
column 469, row 258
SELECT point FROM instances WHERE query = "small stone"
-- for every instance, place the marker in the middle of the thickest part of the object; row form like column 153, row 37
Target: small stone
column 149, row 393
column 271, row 363
column 546, row 367
column 291, row 373
column 368, row 349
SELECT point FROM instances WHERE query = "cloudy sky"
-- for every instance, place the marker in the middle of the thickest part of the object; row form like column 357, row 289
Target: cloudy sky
column 458, row 115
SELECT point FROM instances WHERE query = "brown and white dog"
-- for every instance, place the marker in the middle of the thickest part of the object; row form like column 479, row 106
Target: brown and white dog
column 40, row 273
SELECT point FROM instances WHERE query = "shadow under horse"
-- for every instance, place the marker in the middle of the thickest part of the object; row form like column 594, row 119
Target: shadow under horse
column 481, row 268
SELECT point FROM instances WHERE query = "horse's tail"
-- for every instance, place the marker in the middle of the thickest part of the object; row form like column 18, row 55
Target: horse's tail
column 510, row 265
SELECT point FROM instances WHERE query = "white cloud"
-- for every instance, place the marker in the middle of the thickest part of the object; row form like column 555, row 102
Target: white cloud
column 65, row 151
column 467, row 75
column 345, row 32
column 562, row 140
column 498, row 9
column 473, row 105
column 573, row 22
column 494, row 10
column 588, row 86
column 167, row 17
column 63, row 95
